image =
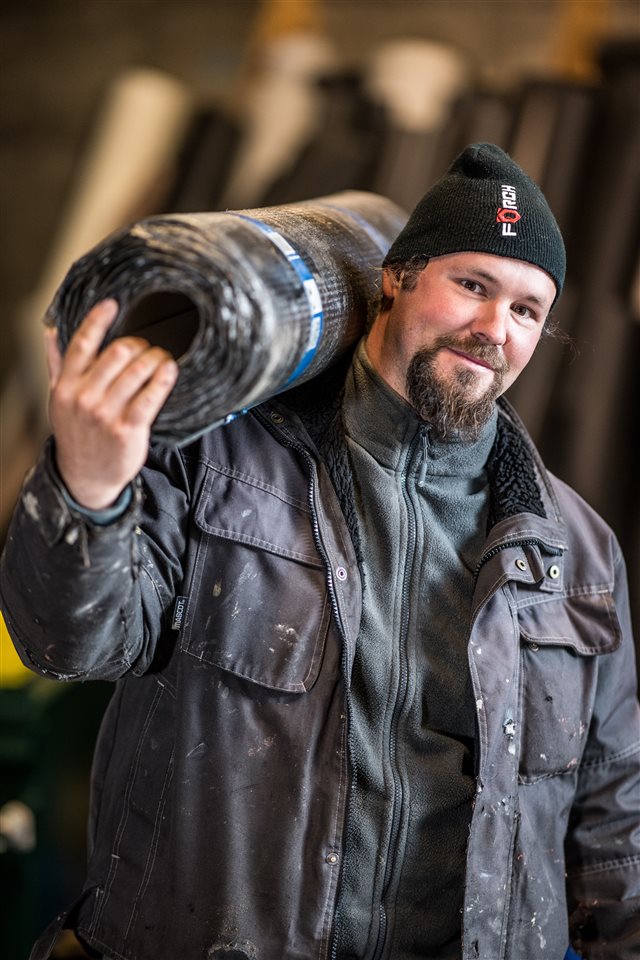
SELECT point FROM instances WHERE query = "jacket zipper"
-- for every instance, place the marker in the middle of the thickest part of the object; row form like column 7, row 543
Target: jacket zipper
column 288, row 441
column 526, row 542
column 401, row 694
column 424, row 462
column 344, row 662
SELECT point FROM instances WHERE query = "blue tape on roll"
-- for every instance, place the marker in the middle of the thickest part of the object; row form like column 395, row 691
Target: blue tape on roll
column 311, row 292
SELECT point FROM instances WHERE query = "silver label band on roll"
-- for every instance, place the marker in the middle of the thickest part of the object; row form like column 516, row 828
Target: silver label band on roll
column 311, row 292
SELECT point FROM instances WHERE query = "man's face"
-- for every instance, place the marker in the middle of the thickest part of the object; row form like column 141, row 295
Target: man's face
column 461, row 337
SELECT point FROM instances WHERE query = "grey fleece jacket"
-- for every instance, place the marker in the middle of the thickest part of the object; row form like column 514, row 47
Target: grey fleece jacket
column 422, row 507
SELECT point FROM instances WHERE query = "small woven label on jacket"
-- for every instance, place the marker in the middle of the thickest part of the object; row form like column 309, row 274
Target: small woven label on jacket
column 178, row 612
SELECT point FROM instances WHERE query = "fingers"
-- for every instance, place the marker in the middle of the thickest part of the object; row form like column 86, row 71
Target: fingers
column 88, row 372
column 96, row 389
column 102, row 405
column 100, row 375
column 148, row 373
column 129, row 391
column 148, row 401
column 87, row 340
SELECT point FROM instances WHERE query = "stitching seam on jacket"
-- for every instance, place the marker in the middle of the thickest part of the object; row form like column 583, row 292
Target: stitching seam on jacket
column 605, row 865
column 115, row 858
column 153, row 847
column 253, row 482
column 610, row 758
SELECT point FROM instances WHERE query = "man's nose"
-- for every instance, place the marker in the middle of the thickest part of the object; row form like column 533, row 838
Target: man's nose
column 490, row 322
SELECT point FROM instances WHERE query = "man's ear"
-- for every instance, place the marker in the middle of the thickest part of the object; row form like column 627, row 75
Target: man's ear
column 390, row 283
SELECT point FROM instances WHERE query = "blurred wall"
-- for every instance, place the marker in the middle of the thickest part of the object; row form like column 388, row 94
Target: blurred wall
column 58, row 56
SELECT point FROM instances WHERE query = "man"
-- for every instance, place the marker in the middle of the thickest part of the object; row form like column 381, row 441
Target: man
column 375, row 673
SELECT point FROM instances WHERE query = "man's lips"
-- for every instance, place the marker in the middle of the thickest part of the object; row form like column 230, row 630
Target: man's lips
column 472, row 358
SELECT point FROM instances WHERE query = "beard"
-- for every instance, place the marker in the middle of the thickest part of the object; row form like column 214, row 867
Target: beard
column 450, row 404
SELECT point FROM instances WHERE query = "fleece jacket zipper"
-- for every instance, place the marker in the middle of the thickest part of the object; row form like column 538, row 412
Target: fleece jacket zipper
column 391, row 859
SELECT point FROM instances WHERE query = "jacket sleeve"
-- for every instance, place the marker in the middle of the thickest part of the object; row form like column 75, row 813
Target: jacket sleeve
column 88, row 601
column 603, row 842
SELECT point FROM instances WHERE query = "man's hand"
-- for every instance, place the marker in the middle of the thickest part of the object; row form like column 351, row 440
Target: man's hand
column 102, row 406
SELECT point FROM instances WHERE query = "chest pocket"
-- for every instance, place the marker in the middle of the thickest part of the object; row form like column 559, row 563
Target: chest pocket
column 258, row 605
column 562, row 642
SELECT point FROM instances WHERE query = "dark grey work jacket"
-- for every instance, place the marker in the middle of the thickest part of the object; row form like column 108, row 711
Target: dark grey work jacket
column 227, row 607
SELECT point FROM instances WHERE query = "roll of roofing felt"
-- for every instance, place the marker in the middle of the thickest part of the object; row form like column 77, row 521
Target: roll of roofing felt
column 248, row 301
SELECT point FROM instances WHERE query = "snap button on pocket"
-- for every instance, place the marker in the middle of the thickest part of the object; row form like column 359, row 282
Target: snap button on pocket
column 332, row 858
column 521, row 564
column 534, row 647
column 554, row 571
column 341, row 573
column 277, row 418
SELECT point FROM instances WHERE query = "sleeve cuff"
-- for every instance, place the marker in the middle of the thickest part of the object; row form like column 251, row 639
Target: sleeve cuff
column 100, row 518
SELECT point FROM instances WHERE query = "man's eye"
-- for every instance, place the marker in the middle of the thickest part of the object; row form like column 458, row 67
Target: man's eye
column 523, row 311
column 471, row 285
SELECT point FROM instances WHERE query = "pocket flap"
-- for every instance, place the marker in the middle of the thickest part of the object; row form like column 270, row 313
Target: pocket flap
column 249, row 512
column 586, row 622
column 258, row 599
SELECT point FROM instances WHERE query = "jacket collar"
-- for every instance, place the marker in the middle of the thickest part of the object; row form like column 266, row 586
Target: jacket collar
column 385, row 424
column 518, row 479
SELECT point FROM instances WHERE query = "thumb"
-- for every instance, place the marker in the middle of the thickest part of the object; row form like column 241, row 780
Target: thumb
column 54, row 357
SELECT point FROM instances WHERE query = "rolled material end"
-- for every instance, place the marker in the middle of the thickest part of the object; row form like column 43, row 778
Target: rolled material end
column 248, row 302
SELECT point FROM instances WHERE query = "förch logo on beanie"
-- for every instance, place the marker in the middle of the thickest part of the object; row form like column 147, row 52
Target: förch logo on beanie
column 486, row 203
column 508, row 212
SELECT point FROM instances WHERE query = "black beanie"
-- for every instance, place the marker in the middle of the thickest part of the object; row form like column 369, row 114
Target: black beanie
column 486, row 203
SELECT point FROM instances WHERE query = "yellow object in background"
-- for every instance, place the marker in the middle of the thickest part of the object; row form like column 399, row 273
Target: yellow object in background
column 13, row 672
column 579, row 31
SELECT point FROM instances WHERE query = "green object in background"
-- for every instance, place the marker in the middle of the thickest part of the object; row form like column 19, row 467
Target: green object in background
column 47, row 736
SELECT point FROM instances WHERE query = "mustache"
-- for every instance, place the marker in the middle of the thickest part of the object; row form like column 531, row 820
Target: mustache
column 487, row 352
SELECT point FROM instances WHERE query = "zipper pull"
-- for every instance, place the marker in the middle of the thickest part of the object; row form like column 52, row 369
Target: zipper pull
column 422, row 473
